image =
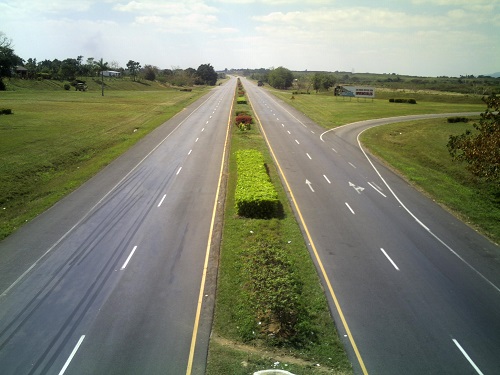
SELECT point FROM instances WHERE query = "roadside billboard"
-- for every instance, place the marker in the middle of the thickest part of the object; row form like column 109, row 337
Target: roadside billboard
column 355, row 91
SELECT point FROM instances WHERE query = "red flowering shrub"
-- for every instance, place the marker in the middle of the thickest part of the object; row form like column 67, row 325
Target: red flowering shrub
column 244, row 119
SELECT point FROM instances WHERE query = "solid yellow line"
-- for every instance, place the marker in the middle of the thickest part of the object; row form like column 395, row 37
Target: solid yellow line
column 318, row 259
column 207, row 254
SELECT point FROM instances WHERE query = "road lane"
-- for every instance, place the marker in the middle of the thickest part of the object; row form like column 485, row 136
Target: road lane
column 407, row 319
column 121, row 285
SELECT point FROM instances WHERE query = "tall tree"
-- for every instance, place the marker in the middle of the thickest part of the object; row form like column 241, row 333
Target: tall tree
column 133, row 68
column 102, row 67
column 481, row 148
column 150, row 72
column 280, row 78
column 207, row 74
column 8, row 60
column 69, row 68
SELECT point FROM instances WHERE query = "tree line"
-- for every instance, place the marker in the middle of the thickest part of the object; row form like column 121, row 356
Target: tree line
column 72, row 68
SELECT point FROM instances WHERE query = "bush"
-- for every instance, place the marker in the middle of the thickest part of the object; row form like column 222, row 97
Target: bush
column 5, row 111
column 242, row 126
column 458, row 119
column 241, row 100
column 242, row 112
column 244, row 119
column 255, row 195
column 409, row 101
column 67, row 86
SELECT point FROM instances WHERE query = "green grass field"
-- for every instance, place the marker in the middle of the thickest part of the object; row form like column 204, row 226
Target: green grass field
column 57, row 139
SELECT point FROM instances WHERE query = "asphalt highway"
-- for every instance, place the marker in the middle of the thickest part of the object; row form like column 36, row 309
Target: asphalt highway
column 111, row 279
column 412, row 289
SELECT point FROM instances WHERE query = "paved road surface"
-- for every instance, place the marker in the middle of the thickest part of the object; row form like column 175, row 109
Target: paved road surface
column 108, row 280
column 412, row 289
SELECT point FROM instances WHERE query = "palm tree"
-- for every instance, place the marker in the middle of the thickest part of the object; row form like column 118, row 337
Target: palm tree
column 102, row 67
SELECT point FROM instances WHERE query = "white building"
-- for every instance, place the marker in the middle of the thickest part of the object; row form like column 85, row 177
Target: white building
column 110, row 73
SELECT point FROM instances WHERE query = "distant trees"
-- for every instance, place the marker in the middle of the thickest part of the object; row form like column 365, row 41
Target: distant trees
column 280, row 78
column 481, row 149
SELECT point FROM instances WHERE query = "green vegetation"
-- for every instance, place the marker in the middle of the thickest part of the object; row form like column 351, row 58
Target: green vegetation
column 304, row 81
column 280, row 78
column 481, row 148
column 255, row 195
column 57, row 139
column 432, row 169
column 329, row 111
column 271, row 311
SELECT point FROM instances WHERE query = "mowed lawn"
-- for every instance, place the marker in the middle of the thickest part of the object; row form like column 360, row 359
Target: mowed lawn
column 57, row 139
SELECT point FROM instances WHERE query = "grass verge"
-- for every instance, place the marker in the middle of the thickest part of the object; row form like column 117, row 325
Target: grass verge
column 55, row 139
column 424, row 161
column 246, row 337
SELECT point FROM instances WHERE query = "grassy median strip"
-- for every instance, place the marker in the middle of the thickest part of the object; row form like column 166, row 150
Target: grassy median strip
column 54, row 139
column 271, row 311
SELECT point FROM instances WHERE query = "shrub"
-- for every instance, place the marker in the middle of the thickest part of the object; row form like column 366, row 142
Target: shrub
column 5, row 111
column 409, row 101
column 67, row 86
column 241, row 100
column 242, row 112
column 245, row 119
column 458, row 119
column 255, row 195
column 242, row 126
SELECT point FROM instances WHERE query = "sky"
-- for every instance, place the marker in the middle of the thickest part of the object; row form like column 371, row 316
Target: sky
column 408, row 37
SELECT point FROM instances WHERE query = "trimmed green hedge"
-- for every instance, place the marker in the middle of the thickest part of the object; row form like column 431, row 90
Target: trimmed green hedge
column 255, row 195
column 458, row 119
column 409, row 101
column 241, row 100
